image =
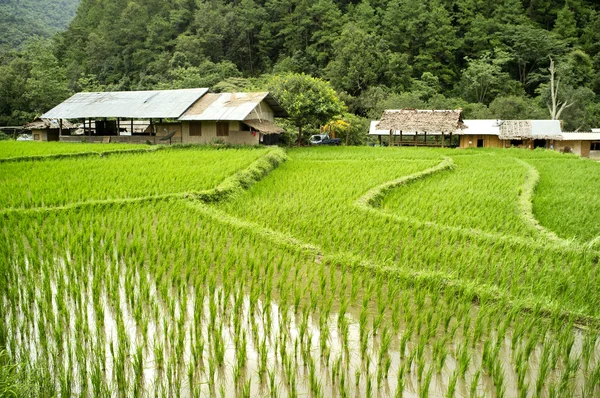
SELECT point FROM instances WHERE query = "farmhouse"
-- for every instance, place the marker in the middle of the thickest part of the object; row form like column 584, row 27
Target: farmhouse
column 418, row 127
column 527, row 134
column 184, row 116
column 506, row 133
column 447, row 128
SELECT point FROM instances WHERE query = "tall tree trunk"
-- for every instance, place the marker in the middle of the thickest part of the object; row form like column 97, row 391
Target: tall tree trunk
column 556, row 106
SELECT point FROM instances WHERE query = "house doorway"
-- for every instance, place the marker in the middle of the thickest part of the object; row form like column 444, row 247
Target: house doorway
column 480, row 143
column 539, row 144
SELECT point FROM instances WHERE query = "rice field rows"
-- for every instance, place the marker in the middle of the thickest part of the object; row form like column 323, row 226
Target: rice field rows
column 14, row 150
column 313, row 277
column 31, row 184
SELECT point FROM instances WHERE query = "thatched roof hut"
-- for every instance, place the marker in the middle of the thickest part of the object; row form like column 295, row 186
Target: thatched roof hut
column 422, row 121
column 47, row 124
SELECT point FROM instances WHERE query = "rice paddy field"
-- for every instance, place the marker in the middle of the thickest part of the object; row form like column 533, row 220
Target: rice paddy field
column 351, row 272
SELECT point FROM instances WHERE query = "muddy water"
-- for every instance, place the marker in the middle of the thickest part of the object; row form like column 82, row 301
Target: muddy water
column 189, row 343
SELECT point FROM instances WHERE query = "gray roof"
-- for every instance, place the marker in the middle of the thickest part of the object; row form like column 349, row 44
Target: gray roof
column 481, row 127
column 232, row 106
column 127, row 104
column 529, row 129
column 581, row 136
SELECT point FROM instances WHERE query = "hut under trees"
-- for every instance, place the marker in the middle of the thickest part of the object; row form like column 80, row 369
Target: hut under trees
column 419, row 127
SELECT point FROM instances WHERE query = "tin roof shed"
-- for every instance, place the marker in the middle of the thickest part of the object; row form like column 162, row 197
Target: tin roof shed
column 127, row 104
column 232, row 106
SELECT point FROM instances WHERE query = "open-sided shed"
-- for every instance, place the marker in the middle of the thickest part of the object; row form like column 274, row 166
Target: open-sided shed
column 417, row 125
column 189, row 115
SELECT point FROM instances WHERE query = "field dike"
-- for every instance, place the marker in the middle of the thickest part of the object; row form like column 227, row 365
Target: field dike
column 548, row 240
column 373, row 197
column 526, row 203
column 232, row 185
column 407, row 277
column 58, row 156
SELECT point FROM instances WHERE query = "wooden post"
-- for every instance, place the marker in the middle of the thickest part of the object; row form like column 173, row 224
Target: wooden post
column 442, row 139
column 132, row 127
column 59, row 128
column 415, row 139
column 379, row 139
column 391, row 142
column 451, row 139
column 400, row 137
column 152, row 132
column 118, row 126
column 425, row 138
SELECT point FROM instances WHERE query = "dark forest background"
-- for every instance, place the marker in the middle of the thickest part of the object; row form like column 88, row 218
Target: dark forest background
column 489, row 57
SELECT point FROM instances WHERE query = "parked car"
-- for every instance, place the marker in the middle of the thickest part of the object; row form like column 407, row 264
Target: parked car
column 324, row 139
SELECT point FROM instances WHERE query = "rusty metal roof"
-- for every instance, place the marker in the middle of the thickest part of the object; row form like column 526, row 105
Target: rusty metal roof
column 232, row 106
column 264, row 126
column 127, row 104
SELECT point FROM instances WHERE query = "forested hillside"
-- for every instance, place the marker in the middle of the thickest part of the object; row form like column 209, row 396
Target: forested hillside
column 491, row 58
column 22, row 19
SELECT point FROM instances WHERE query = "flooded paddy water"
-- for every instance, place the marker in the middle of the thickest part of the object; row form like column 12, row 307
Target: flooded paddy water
column 114, row 330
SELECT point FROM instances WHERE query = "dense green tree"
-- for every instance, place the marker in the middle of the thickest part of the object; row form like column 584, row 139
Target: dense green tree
column 31, row 83
column 206, row 74
column 483, row 79
column 310, row 102
column 360, row 60
column 529, row 48
column 424, row 30
column 566, row 25
column 515, row 107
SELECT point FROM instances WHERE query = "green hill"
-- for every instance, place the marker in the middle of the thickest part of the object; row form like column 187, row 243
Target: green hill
column 23, row 19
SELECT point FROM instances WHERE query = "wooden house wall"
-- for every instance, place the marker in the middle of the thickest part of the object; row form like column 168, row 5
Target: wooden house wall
column 263, row 112
column 489, row 141
column 209, row 134
column 581, row 148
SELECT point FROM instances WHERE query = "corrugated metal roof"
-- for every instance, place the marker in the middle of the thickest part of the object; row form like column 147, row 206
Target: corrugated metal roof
column 481, row 127
column 127, row 104
column 577, row 136
column 541, row 128
column 232, row 106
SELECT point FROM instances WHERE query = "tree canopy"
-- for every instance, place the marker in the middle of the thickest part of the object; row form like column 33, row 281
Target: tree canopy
column 482, row 56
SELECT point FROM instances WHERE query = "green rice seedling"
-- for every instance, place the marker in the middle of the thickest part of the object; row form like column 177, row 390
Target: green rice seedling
column 474, row 384
column 498, row 376
column 262, row 353
column 400, row 380
column 592, row 382
column 451, row 390
column 273, row 392
column 247, row 388
column 424, row 387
